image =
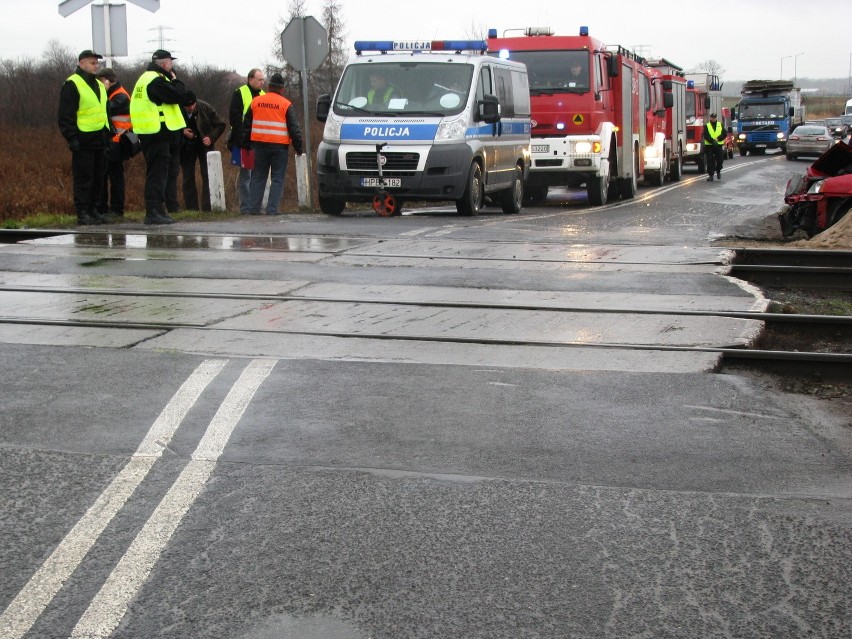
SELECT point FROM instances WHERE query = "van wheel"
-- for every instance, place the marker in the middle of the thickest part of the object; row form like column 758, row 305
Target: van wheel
column 512, row 199
column 471, row 201
column 332, row 205
column 597, row 189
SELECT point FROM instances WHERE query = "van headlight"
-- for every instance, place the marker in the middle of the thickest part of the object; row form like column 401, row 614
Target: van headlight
column 452, row 129
column 331, row 132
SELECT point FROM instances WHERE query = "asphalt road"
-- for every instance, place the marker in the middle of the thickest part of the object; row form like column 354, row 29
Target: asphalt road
column 426, row 426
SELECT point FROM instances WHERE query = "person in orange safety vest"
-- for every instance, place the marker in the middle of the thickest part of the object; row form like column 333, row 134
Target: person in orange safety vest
column 270, row 126
column 118, row 108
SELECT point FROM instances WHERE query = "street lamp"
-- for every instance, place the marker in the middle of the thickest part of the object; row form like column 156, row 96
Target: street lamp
column 795, row 60
column 783, row 57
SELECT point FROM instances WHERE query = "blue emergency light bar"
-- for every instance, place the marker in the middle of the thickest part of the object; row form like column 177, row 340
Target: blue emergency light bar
column 384, row 46
column 690, row 84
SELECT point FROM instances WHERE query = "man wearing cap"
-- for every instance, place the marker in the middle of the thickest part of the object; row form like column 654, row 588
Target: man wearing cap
column 269, row 127
column 118, row 107
column 714, row 147
column 84, row 124
column 158, row 121
column 203, row 128
column 240, row 100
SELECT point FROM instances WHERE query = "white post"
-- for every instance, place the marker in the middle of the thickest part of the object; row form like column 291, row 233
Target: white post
column 302, row 181
column 107, row 36
column 217, row 181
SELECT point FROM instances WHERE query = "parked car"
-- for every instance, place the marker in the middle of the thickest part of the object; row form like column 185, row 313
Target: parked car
column 808, row 139
column 820, row 197
column 837, row 128
column 815, row 122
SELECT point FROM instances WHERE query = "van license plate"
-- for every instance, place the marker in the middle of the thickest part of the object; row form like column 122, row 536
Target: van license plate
column 541, row 148
column 388, row 182
column 760, row 146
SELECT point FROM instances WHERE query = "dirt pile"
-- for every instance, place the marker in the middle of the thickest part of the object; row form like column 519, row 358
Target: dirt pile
column 838, row 236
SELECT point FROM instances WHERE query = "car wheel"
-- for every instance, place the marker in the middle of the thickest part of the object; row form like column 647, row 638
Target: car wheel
column 790, row 156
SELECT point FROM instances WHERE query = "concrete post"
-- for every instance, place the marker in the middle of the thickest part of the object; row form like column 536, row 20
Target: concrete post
column 217, row 181
column 302, row 181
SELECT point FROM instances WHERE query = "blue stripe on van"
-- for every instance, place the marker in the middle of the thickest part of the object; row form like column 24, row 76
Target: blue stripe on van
column 507, row 127
column 390, row 131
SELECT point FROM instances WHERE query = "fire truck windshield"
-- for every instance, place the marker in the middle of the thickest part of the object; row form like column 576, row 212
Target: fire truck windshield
column 555, row 71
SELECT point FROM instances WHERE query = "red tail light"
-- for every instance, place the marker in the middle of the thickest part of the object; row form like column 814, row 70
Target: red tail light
column 823, row 139
column 794, row 137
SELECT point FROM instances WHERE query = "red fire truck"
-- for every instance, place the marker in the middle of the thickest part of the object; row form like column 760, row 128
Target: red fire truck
column 589, row 106
column 703, row 97
column 670, row 78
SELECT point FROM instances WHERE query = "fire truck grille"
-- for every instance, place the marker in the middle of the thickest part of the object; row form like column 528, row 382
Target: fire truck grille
column 397, row 165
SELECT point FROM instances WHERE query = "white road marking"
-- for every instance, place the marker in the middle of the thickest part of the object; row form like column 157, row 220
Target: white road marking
column 419, row 231
column 42, row 587
column 110, row 604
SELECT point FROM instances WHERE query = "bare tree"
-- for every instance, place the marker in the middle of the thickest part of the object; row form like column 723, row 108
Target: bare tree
column 329, row 71
column 713, row 67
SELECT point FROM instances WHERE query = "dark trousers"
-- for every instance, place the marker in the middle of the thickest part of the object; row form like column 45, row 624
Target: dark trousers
column 112, row 195
column 87, row 169
column 190, row 155
column 162, row 167
column 270, row 161
column 714, row 154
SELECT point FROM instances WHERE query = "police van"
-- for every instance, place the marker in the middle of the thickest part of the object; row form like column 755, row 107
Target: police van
column 425, row 121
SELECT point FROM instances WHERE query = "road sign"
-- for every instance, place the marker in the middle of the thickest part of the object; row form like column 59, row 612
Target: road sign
column 117, row 21
column 67, row 7
column 304, row 43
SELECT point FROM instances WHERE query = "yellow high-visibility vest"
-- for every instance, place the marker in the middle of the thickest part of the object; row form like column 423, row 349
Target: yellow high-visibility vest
column 92, row 110
column 714, row 134
column 245, row 94
column 147, row 116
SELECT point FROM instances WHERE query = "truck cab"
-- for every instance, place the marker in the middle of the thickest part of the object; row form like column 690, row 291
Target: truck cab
column 767, row 113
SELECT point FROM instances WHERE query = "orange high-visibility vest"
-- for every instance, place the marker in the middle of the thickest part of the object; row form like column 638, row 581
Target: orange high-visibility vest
column 269, row 119
column 120, row 122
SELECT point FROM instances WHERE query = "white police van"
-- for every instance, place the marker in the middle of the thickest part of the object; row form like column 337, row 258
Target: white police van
column 426, row 121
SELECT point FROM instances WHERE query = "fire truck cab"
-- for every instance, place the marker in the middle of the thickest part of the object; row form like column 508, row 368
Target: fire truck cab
column 589, row 106
column 703, row 97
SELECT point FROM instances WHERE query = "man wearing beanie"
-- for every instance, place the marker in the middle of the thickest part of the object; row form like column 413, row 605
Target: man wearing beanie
column 203, row 128
column 270, row 126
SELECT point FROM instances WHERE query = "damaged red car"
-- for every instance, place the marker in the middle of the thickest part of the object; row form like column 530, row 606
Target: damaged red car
column 820, row 197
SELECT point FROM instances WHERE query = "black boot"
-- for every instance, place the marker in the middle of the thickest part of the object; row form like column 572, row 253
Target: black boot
column 84, row 219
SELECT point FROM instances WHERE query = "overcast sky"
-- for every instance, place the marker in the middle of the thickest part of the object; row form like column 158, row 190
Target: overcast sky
column 752, row 39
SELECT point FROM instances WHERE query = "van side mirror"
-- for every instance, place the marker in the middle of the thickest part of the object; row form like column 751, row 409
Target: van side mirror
column 668, row 100
column 489, row 109
column 323, row 107
column 667, row 85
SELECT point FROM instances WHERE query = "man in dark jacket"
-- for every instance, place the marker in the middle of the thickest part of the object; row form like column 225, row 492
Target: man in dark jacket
column 118, row 108
column 203, row 128
column 158, row 120
column 714, row 147
column 84, row 124
column 240, row 101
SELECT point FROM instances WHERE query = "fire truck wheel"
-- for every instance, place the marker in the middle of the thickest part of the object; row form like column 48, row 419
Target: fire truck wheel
column 598, row 190
column 629, row 185
column 677, row 168
column 512, row 199
column 535, row 195
column 471, row 201
column 331, row 205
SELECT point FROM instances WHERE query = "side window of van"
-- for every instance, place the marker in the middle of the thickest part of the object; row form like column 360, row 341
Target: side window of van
column 521, row 91
column 483, row 87
column 505, row 95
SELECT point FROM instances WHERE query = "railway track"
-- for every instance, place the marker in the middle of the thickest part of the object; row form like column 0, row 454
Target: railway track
column 794, row 268
column 824, row 365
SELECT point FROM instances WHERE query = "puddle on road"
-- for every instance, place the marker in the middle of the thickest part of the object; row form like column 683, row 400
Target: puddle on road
column 213, row 242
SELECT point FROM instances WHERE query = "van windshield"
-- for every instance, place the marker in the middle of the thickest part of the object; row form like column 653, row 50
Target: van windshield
column 554, row 71
column 404, row 88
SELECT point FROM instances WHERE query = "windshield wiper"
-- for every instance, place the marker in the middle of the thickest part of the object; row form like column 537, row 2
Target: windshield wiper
column 344, row 105
column 433, row 114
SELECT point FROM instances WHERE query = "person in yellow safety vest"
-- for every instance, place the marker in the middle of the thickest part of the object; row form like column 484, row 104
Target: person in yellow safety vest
column 118, row 109
column 240, row 100
column 269, row 128
column 714, row 147
column 380, row 92
column 158, row 121
column 83, row 122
